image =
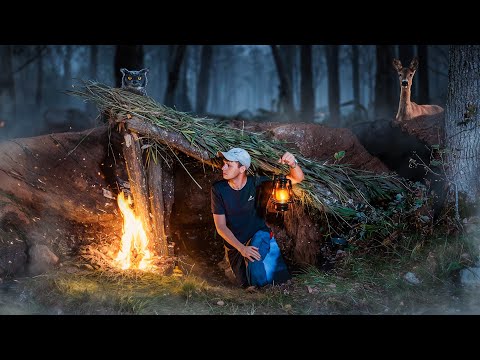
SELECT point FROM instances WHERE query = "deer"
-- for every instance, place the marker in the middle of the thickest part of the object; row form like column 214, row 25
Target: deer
column 407, row 109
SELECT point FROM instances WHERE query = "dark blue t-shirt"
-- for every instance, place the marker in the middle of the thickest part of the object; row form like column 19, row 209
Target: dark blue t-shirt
column 239, row 207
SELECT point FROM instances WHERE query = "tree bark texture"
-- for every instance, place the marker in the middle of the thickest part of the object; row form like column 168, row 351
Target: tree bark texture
column 423, row 85
column 462, row 120
column 203, row 83
column 157, row 205
column 386, row 105
column 333, row 83
column 285, row 97
column 356, row 79
column 307, row 97
column 177, row 55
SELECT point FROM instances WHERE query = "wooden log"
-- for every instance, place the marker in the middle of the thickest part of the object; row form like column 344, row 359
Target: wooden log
column 132, row 153
column 157, row 205
column 168, row 182
column 174, row 140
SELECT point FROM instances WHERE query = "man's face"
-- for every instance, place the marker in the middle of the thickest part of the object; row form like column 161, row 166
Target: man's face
column 231, row 169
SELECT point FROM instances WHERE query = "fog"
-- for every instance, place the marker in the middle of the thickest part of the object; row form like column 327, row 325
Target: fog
column 243, row 79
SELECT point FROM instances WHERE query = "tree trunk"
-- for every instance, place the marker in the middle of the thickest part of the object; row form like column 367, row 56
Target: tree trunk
column 405, row 53
column 91, row 108
column 307, row 95
column 204, row 79
column 285, row 97
column 93, row 61
column 385, row 103
column 422, row 73
column 7, row 83
column 129, row 57
column 183, row 102
column 333, row 84
column 462, row 117
column 67, row 65
column 39, row 88
column 289, row 56
column 356, row 80
column 177, row 53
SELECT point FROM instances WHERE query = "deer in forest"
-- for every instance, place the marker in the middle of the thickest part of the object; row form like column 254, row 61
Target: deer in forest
column 407, row 109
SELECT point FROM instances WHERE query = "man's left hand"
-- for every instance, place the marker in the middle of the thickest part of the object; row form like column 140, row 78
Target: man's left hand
column 288, row 159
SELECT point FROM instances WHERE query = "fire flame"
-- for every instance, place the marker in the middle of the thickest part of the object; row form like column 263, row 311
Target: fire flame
column 134, row 252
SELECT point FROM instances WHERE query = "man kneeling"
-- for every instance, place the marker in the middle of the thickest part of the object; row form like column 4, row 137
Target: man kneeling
column 251, row 250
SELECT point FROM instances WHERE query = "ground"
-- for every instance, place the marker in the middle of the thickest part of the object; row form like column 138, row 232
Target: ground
column 53, row 194
column 204, row 289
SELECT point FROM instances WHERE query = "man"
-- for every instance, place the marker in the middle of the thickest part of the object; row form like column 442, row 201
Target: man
column 251, row 249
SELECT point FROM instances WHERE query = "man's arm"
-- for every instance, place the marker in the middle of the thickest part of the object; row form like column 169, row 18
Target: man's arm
column 249, row 252
column 296, row 173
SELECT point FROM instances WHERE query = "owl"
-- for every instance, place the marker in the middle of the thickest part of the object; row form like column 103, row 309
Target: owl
column 135, row 80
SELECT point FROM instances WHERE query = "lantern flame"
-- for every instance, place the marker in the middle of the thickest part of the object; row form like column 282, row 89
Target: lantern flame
column 282, row 195
column 134, row 252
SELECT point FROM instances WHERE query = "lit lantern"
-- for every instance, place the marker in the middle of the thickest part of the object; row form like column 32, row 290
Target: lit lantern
column 282, row 192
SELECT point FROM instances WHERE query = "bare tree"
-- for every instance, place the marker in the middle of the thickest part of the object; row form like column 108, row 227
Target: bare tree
column 307, row 96
column 423, row 85
column 204, row 79
column 462, row 117
column 91, row 108
column 333, row 83
column 93, row 61
column 175, row 59
column 385, row 99
column 289, row 56
column 39, row 88
column 67, row 65
column 285, row 99
column 355, row 79
column 182, row 101
column 7, row 83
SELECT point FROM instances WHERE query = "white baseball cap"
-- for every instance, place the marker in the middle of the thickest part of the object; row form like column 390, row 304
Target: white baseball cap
column 237, row 154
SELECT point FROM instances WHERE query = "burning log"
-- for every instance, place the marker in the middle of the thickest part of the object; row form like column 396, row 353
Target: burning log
column 138, row 182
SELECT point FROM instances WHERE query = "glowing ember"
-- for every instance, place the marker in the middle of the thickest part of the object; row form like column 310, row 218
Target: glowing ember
column 134, row 252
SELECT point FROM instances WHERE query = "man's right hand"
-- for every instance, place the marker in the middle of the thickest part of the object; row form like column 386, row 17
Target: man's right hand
column 250, row 252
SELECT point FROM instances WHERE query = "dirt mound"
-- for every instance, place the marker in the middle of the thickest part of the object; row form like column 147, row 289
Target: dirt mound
column 318, row 142
column 429, row 129
column 52, row 195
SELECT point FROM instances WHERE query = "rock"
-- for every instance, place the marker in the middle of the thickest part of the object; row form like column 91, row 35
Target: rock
column 470, row 276
column 411, row 278
column 42, row 259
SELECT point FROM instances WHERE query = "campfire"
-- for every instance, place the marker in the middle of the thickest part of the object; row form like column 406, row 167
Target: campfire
column 134, row 250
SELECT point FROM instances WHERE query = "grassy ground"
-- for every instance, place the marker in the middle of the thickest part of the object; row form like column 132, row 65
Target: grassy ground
column 373, row 284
